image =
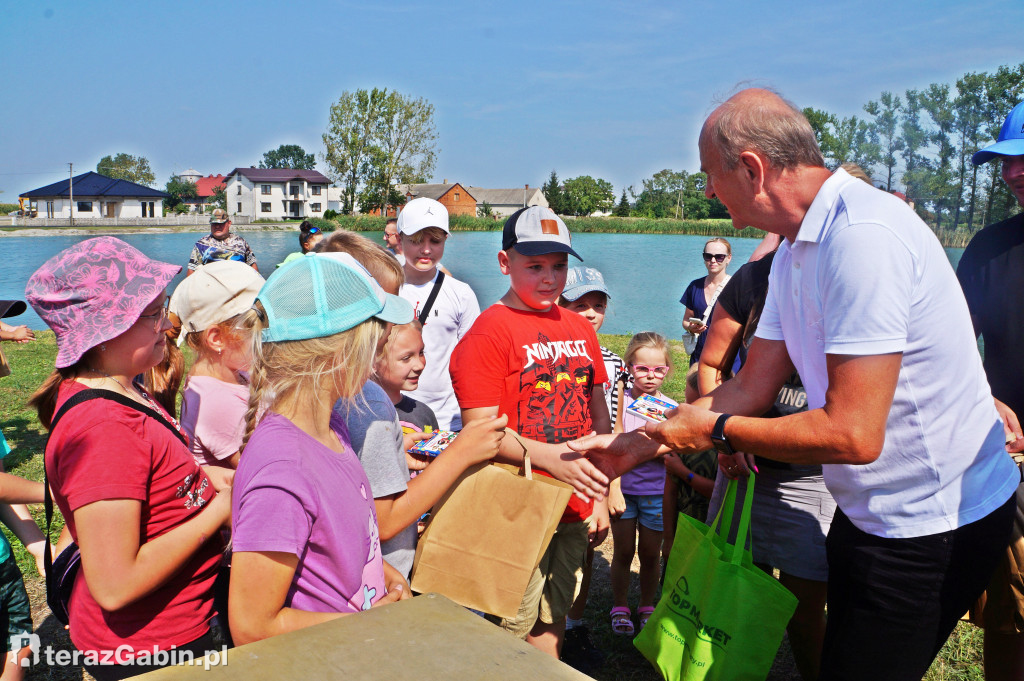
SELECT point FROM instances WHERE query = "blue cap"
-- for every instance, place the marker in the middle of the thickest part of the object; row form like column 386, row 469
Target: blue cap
column 322, row 294
column 583, row 280
column 1011, row 139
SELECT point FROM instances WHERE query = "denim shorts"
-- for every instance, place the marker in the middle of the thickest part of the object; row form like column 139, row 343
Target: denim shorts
column 646, row 507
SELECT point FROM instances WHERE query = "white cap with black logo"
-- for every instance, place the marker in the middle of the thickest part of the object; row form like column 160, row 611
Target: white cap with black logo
column 422, row 213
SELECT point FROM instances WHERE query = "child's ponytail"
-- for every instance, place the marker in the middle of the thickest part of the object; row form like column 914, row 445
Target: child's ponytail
column 163, row 380
column 253, row 321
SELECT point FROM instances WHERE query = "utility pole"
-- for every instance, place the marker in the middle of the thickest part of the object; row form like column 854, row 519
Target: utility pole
column 71, row 194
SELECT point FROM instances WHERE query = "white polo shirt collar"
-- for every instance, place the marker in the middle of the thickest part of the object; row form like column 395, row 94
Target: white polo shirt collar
column 812, row 227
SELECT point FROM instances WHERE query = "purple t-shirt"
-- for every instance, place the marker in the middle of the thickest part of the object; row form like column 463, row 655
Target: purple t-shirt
column 649, row 477
column 294, row 495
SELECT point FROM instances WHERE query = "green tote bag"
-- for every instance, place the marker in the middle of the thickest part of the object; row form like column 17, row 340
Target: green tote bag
column 719, row 617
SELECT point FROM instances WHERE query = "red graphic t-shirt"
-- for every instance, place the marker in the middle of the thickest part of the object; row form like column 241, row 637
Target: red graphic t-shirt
column 539, row 368
column 105, row 450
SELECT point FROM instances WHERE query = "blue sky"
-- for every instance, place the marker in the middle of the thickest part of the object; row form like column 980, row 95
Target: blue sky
column 616, row 90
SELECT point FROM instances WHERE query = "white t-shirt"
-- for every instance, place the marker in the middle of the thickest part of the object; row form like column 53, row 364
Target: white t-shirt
column 865, row 276
column 452, row 314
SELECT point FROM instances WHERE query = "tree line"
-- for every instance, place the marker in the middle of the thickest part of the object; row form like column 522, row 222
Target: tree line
column 668, row 194
column 921, row 143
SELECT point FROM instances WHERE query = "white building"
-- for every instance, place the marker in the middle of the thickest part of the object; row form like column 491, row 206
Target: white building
column 91, row 195
column 191, row 175
column 277, row 193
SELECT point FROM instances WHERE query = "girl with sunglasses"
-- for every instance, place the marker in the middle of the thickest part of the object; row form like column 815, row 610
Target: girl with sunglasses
column 145, row 515
column 699, row 297
column 639, row 492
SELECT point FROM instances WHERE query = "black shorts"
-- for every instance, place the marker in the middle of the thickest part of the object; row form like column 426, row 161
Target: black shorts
column 892, row 603
column 14, row 605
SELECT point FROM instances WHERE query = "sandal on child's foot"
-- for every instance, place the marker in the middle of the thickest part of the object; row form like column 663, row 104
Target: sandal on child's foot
column 644, row 613
column 622, row 621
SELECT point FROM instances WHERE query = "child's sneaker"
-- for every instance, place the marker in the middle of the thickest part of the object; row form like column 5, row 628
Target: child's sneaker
column 579, row 652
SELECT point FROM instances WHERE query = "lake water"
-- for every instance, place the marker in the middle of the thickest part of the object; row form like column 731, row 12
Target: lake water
column 646, row 273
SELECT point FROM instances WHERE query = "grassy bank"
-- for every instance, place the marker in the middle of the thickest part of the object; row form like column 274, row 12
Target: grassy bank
column 960, row 659
column 465, row 223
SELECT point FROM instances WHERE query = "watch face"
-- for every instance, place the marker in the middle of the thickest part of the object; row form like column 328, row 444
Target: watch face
column 721, row 445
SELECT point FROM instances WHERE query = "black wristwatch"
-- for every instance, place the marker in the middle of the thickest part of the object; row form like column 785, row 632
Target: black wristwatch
column 718, row 438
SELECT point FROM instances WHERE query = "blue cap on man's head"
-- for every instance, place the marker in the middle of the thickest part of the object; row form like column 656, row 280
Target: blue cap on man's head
column 1011, row 139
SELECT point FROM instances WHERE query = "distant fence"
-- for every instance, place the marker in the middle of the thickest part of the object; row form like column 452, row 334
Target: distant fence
column 169, row 221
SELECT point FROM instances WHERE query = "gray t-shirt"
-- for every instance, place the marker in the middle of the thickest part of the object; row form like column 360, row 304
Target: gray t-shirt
column 377, row 440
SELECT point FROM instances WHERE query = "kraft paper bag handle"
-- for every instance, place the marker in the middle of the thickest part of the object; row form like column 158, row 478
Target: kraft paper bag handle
column 527, row 467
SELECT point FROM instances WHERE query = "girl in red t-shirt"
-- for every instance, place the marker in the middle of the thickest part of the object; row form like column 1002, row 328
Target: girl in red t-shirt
column 144, row 514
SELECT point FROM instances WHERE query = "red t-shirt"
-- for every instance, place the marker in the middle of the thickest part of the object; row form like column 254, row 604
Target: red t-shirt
column 539, row 368
column 105, row 450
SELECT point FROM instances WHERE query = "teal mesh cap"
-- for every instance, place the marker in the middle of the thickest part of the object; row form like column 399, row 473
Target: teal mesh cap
column 322, row 294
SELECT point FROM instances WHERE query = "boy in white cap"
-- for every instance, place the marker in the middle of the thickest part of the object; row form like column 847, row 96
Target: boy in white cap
column 541, row 365
column 444, row 305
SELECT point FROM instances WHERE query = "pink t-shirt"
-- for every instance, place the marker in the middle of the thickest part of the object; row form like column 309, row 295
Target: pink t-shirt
column 294, row 495
column 213, row 415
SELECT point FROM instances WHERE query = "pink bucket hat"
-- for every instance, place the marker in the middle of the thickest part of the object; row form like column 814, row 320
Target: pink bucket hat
column 93, row 292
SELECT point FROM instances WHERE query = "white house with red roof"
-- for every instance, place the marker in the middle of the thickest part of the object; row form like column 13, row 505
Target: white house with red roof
column 276, row 193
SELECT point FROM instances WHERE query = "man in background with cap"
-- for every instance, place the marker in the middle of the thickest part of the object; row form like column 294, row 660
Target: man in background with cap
column 541, row 365
column 444, row 305
column 220, row 244
column 991, row 273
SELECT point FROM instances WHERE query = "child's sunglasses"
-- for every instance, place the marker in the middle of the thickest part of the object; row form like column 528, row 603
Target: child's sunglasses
column 643, row 370
column 719, row 257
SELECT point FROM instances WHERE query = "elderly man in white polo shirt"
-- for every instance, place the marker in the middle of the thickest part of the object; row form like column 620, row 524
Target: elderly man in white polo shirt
column 863, row 303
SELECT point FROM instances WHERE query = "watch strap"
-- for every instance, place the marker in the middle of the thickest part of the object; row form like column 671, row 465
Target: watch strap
column 718, row 438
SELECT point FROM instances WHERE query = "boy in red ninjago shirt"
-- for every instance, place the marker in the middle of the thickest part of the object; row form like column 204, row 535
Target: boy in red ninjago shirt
column 541, row 365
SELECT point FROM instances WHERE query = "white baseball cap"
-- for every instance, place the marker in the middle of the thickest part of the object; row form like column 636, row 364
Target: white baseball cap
column 422, row 213
column 214, row 293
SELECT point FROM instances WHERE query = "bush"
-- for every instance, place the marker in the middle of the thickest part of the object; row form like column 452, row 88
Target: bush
column 324, row 225
column 6, row 208
column 330, row 214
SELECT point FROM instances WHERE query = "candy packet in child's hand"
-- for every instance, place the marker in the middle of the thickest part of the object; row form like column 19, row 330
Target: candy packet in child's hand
column 651, row 408
column 434, row 445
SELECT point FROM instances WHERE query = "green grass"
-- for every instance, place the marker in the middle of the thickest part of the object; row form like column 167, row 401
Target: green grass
column 959, row 660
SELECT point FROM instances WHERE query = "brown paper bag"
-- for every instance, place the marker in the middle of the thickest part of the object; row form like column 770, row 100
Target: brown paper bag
column 486, row 537
column 5, row 368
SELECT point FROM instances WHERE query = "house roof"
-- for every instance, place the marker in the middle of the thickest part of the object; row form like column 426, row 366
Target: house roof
column 505, row 197
column 205, row 185
column 94, row 184
column 430, row 191
column 280, row 175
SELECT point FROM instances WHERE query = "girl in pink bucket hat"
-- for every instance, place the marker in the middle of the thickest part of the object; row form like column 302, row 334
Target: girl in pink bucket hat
column 145, row 516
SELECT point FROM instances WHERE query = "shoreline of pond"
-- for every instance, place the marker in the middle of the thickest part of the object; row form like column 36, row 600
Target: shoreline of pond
column 947, row 240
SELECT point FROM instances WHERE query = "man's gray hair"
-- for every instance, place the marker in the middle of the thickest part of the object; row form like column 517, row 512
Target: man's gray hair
column 769, row 125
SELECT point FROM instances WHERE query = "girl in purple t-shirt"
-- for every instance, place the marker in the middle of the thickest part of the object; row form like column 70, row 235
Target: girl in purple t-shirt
column 635, row 502
column 304, row 529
